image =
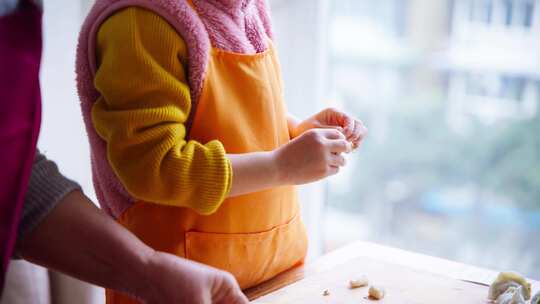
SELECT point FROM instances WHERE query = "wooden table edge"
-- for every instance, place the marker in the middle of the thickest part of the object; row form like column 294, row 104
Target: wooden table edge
column 417, row 261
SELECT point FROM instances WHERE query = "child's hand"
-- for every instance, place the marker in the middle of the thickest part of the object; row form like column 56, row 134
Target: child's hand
column 353, row 129
column 176, row 280
column 313, row 155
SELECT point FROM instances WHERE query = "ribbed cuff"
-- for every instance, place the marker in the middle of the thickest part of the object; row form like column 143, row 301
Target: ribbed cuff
column 214, row 183
column 47, row 187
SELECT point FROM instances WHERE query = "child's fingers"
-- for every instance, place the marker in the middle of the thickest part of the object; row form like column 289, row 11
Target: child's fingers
column 339, row 146
column 348, row 125
column 333, row 116
column 332, row 133
column 360, row 131
column 337, row 160
column 332, row 170
column 321, row 126
column 355, row 133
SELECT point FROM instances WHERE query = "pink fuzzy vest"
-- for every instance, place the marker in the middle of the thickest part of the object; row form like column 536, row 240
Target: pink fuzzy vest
column 241, row 26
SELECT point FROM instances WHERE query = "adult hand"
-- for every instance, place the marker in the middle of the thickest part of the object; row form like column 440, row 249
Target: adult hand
column 176, row 280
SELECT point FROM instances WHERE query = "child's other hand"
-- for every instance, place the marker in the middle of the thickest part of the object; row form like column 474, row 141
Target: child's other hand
column 313, row 155
column 176, row 280
column 353, row 129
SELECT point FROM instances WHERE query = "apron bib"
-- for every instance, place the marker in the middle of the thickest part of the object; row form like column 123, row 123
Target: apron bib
column 254, row 236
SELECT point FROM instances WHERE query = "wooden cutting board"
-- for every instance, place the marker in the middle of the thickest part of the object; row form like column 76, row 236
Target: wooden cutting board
column 403, row 286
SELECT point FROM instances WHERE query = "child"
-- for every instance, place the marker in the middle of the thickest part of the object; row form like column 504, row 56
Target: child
column 192, row 147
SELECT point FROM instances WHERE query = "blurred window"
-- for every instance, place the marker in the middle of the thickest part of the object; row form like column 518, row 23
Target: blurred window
column 450, row 91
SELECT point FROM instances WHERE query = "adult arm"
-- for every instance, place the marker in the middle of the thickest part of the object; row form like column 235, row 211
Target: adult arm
column 68, row 233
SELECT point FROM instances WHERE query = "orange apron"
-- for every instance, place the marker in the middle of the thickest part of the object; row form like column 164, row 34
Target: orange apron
column 253, row 236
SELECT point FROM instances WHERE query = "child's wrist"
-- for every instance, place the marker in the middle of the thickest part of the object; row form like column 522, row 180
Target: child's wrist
column 292, row 124
column 280, row 174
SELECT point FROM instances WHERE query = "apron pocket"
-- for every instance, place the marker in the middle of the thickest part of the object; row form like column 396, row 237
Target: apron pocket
column 251, row 257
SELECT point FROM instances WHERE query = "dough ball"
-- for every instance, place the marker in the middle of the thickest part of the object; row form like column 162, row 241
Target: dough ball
column 358, row 282
column 513, row 295
column 536, row 298
column 376, row 292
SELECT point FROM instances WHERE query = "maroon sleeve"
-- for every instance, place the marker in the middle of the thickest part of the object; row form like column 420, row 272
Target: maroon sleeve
column 20, row 116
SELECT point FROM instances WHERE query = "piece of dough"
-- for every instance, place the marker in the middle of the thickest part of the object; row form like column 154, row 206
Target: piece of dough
column 536, row 298
column 326, row 292
column 504, row 281
column 376, row 292
column 513, row 295
column 358, row 282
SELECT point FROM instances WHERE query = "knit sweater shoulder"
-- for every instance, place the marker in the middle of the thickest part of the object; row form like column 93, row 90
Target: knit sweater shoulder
column 147, row 64
column 141, row 114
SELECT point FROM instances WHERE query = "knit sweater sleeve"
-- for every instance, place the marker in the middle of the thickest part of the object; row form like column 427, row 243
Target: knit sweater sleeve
column 46, row 188
column 141, row 114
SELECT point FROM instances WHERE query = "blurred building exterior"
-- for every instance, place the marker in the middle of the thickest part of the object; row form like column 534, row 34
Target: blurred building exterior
column 494, row 59
column 450, row 90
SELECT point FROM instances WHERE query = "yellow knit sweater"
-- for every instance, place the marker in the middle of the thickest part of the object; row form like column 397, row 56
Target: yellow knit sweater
column 144, row 103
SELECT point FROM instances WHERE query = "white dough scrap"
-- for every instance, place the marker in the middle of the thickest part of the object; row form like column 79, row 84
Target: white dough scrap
column 512, row 295
column 358, row 282
column 376, row 292
column 536, row 298
column 518, row 297
column 504, row 281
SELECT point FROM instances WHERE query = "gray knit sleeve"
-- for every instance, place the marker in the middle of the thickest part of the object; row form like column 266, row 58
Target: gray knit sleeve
column 47, row 187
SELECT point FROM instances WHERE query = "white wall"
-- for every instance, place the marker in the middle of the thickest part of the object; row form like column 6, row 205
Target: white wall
column 63, row 137
column 299, row 27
